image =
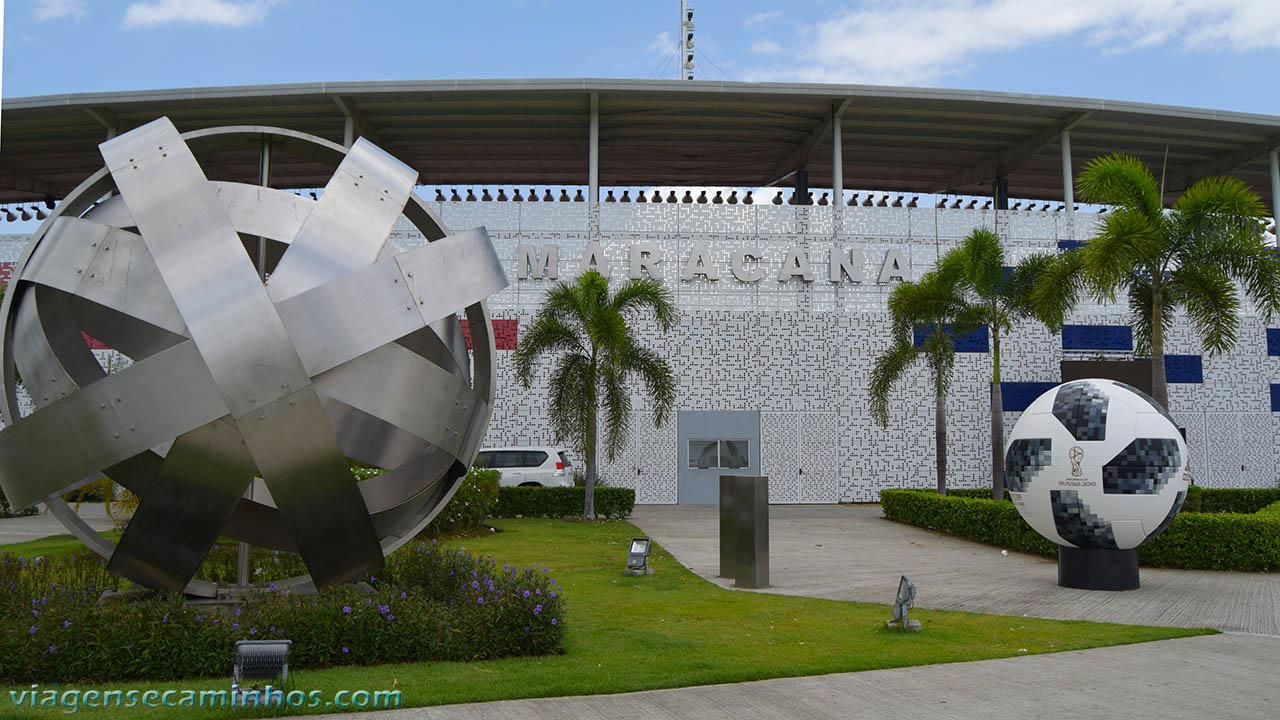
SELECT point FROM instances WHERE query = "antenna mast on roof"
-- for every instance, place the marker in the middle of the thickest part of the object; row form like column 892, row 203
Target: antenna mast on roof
column 685, row 68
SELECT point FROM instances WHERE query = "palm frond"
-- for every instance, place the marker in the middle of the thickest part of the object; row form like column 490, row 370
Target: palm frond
column 617, row 408
column 1120, row 180
column 1142, row 310
column 572, row 394
column 1211, row 304
column 1016, row 295
column 660, row 384
column 547, row 334
column 648, row 294
column 1057, row 289
column 1126, row 240
column 889, row 368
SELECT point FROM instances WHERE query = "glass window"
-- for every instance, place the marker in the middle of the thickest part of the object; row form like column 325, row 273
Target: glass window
column 564, row 458
column 734, row 454
column 485, row 459
column 533, row 458
column 702, row 454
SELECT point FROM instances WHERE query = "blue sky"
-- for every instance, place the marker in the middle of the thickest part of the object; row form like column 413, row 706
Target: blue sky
column 1221, row 54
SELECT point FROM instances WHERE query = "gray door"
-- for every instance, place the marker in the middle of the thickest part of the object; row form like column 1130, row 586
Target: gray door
column 710, row 444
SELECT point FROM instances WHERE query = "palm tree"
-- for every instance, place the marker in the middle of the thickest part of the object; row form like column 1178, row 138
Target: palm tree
column 995, row 298
column 934, row 301
column 597, row 355
column 1185, row 259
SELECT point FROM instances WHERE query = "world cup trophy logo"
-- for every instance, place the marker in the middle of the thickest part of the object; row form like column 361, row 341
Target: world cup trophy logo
column 1077, row 456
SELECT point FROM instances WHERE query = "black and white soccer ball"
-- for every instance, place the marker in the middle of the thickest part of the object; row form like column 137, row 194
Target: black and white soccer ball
column 1096, row 464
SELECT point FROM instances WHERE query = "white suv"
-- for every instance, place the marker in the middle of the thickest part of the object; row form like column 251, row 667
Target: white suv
column 529, row 466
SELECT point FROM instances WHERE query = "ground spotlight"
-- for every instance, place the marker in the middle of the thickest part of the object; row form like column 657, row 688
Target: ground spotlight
column 638, row 557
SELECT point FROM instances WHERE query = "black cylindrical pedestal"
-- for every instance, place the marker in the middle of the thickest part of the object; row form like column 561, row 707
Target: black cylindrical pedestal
column 1094, row 569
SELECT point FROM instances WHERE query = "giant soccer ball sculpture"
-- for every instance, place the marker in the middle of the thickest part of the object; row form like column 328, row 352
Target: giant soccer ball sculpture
column 1098, row 467
column 272, row 336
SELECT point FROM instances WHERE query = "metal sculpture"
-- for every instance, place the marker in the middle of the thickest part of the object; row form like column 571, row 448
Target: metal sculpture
column 352, row 349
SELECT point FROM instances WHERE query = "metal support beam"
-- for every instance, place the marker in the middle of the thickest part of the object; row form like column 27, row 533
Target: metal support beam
column 107, row 118
column 837, row 165
column 1011, row 158
column 355, row 124
column 1223, row 164
column 1275, row 191
column 801, row 192
column 1068, row 189
column 1000, row 190
column 593, row 162
column 799, row 157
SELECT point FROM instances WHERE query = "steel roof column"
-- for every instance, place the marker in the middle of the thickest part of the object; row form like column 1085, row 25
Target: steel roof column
column 593, row 160
column 1275, row 191
column 1068, row 190
column 837, row 164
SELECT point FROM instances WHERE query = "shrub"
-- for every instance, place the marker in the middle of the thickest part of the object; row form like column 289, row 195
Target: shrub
column 1211, row 541
column 1272, row 509
column 473, row 502
column 1229, row 500
column 429, row 604
column 562, row 502
column 982, row 493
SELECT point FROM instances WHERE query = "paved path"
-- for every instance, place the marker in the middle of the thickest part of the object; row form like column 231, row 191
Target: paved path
column 853, row 553
column 34, row 527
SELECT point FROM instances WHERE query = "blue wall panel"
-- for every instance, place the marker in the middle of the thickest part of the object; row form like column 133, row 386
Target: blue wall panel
column 1070, row 244
column 1016, row 396
column 1273, row 341
column 1097, row 337
column 1183, row 369
column 1275, row 398
column 975, row 341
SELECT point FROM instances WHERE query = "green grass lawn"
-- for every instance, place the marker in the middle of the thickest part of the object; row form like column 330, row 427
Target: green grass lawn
column 672, row 629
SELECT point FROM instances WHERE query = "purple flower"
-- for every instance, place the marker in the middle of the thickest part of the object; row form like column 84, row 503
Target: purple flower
column 33, row 630
column 237, row 611
column 199, row 618
column 384, row 609
column 479, row 601
column 373, row 579
column 526, row 593
column 344, row 648
column 272, row 586
column 166, row 618
column 235, row 626
column 215, row 623
column 537, row 609
column 253, row 631
column 402, row 596
column 35, row 613
column 391, row 618
column 553, row 621
column 66, row 623
column 346, row 609
column 130, row 646
column 53, row 649
column 273, row 628
column 552, row 593
column 537, row 591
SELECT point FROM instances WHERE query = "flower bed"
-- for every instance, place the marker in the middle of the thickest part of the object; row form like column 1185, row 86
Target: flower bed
column 429, row 604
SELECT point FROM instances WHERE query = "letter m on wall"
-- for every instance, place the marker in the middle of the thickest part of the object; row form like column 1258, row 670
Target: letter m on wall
column 536, row 264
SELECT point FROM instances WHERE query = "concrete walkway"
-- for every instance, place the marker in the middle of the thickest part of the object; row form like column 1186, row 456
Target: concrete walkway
column 853, row 553
column 44, row 524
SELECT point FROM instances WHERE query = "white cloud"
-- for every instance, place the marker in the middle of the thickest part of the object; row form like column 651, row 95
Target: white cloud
column 57, row 9
column 766, row 47
column 662, row 44
column 923, row 41
column 761, row 17
column 196, row 12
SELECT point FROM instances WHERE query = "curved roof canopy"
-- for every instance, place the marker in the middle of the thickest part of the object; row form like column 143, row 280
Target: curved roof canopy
column 656, row 132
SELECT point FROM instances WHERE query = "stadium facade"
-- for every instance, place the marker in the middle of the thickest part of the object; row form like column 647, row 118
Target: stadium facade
column 782, row 307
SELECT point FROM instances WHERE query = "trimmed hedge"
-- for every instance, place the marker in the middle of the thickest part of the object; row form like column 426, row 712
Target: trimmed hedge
column 980, row 493
column 1229, row 500
column 562, row 502
column 1208, row 541
column 985, row 520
